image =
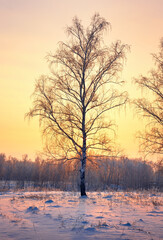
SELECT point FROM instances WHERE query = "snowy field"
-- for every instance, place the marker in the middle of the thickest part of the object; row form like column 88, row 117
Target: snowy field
column 64, row 215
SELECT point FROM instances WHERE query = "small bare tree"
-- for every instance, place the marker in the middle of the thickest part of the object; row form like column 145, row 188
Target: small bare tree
column 72, row 103
column 152, row 139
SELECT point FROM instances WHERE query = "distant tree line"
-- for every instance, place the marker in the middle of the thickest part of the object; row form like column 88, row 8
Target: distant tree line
column 122, row 173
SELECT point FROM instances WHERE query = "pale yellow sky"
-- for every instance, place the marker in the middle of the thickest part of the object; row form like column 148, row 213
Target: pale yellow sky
column 30, row 29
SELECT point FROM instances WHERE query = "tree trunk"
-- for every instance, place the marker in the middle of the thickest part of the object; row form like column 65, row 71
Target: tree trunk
column 82, row 173
column 83, row 163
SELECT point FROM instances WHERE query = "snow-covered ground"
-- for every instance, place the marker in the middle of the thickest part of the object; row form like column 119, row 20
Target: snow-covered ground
column 64, row 215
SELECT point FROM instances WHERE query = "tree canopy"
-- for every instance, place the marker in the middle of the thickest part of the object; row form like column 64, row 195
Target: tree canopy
column 152, row 139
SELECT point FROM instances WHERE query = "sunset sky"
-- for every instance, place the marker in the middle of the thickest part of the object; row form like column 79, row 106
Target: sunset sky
column 29, row 29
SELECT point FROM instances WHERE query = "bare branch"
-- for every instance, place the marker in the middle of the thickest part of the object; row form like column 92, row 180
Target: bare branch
column 152, row 139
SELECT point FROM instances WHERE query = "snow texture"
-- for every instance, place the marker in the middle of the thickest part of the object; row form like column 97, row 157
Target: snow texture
column 60, row 215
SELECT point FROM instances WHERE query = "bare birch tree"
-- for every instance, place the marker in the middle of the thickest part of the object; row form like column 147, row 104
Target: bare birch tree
column 73, row 101
column 152, row 139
